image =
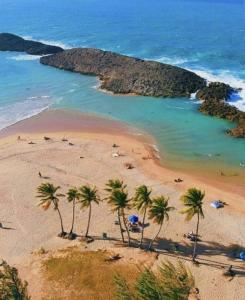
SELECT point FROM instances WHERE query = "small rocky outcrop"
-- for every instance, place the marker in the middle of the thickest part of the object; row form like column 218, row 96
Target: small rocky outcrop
column 215, row 91
column 220, row 109
column 223, row 110
column 214, row 104
column 124, row 75
column 238, row 132
column 11, row 42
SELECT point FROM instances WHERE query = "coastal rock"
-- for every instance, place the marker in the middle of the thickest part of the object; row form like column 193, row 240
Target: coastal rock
column 11, row 42
column 238, row 132
column 223, row 110
column 122, row 74
column 220, row 109
column 214, row 104
column 215, row 91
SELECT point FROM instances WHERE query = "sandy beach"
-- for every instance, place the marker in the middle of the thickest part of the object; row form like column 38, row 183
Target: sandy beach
column 88, row 159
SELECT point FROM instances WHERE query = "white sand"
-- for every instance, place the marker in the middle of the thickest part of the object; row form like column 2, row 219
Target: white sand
column 32, row 228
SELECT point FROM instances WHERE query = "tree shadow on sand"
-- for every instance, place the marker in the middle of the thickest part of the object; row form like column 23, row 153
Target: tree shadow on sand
column 205, row 250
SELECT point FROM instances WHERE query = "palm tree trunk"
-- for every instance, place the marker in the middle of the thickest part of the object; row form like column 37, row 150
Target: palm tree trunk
column 73, row 215
column 120, row 224
column 143, row 227
column 155, row 236
column 61, row 221
column 89, row 217
column 196, row 237
column 126, row 227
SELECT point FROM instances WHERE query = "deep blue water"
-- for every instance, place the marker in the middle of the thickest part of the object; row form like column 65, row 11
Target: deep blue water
column 205, row 36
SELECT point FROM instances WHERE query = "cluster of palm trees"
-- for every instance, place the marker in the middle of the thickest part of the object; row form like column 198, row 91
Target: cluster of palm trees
column 156, row 208
column 85, row 195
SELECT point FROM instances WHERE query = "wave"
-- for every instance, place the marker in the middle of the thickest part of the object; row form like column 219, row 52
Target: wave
column 15, row 112
column 171, row 60
column 22, row 57
column 55, row 43
column 237, row 99
column 48, row 42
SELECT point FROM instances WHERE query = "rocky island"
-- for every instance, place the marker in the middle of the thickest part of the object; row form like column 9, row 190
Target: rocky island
column 12, row 42
column 122, row 74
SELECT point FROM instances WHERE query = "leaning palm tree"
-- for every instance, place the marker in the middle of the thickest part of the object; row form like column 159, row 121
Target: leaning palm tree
column 72, row 196
column 142, row 201
column 193, row 201
column 158, row 213
column 47, row 193
column 118, row 199
column 88, row 195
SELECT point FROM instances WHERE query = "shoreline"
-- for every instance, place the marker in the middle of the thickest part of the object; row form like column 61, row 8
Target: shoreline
column 86, row 157
column 73, row 123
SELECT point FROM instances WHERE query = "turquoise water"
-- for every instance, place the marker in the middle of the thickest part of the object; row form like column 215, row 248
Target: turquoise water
column 205, row 36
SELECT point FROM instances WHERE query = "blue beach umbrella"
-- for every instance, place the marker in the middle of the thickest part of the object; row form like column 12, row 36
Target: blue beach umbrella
column 133, row 219
column 242, row 255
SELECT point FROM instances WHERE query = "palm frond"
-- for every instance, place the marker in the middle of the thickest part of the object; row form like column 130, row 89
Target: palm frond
column 119, row 199
column 47, row 194
column 193, row 201
column 142, row 197
column 72, row 194
column 160, row 209
column 114, row 184
column 87, row 195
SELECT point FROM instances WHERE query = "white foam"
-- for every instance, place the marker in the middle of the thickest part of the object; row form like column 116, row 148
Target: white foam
column 236, row 99
column 55, row 43
column 172, row 60
column 14, row 112
column 48, row 42
column 21, row 57
column 193, row 96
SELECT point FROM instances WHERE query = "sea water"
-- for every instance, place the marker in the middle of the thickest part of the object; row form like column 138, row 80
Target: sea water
column 206, row 36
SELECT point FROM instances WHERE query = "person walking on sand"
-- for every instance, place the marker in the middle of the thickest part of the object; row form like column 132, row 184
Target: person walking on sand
column 40, row 175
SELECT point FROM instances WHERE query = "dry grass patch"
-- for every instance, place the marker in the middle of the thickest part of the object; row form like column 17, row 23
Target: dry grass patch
column 73, row 274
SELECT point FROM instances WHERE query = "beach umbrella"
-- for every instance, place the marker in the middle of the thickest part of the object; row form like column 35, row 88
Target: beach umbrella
column 242, row 255
column 217, row 204
column 133, row 219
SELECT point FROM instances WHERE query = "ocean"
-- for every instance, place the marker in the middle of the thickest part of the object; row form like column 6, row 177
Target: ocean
column 205, row 36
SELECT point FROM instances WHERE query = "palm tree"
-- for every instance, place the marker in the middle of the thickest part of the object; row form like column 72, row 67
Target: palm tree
column 192, row 200
column 114, row 184
column 47, row 193
column 142, row 201
column 72, row 196
column 88, row 195
column 159, row 212
column 119, row 200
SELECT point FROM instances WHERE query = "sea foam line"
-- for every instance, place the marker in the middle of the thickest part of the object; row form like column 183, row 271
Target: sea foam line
column 15, row 112
column 236, row 99
column 24, row 57
column 48, row 42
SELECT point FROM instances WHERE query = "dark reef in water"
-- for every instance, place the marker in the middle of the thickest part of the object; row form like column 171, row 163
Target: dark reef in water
column 214, row 104
column 122, row 74
column 215, row 91
column 11, row 42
